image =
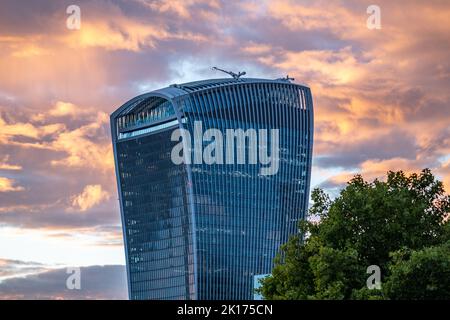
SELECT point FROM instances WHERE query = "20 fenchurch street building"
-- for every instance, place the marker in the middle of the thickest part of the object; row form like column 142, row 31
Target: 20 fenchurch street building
column 206, row 229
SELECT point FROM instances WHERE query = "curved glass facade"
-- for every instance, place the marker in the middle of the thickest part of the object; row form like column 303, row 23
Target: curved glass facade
column 204, row 231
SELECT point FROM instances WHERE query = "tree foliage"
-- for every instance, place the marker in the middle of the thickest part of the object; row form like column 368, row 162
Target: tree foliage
column 400, row 225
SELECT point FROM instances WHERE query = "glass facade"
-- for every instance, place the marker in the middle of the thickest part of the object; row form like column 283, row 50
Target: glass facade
column 200, row 231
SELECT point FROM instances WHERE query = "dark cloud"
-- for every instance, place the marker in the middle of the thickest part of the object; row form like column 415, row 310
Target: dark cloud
column 332, row 187
column 16, row 268
column 393, row 144
column 35, row 17
column 58, row 217
column 97, row 282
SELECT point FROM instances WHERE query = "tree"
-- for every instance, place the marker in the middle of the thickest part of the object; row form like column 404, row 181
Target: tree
column 421, row 274
column 399, row 225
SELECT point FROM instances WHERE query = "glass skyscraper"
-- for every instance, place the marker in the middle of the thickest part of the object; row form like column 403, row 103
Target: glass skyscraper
column 206, row 231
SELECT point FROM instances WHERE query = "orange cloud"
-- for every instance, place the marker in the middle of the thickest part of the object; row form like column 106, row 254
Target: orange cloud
column 257, row 48
column 91, row 196
column 29, row 50
column 444, row 171
column 61, row 109
column 377, row 169
column 125, row 34
column 86, row 146
column 8, row 185
column 80, row 148
column 9, row 133
column 11, row 130
column 181, row 8
column 4, row 165
column 319, row 15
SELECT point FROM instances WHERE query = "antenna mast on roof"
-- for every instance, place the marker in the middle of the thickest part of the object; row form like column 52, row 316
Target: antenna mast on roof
column 287, row 78
column 231, row 73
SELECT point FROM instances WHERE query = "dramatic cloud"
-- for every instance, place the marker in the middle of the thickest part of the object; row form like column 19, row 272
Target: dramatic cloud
column 81, row 148
column 374, row 169
column 7, row 185
column 61, row 109
column 17, row 268
column 381, row 97
column 97, row 282
column 91, row 196
column 4, row 165
column 10, row 131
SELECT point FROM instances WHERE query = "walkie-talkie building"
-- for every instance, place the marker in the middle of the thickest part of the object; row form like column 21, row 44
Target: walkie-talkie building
column 206, row 230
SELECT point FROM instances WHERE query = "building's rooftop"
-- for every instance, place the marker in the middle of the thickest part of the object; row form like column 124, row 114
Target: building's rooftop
column 211, row 83
column 175, row 90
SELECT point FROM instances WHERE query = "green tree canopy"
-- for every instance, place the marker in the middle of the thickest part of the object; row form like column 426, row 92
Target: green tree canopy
column 400, row 225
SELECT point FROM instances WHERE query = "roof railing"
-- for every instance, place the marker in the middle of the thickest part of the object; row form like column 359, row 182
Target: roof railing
column 287, row 78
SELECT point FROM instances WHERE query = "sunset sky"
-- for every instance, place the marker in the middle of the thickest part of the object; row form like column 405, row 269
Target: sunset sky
column 381, row 98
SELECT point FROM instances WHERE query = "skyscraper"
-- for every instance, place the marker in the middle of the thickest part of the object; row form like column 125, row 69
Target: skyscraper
column 199, row 230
